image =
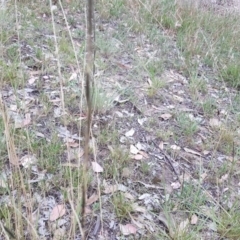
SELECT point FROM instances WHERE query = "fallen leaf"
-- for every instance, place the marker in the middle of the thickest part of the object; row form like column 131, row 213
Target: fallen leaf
column 136, row 223
column 73, row 76
column 223, row 178
column 161, row 145
column 122, row 188
column 32, row 80
column 137, row 208
column 110, row 189
column 73, row 144
column 114, row 188
column 57, row 212
column 183, row 227
column 20, row 123
column 3, row 180
column 145, row 195
column 129, row 196
column 130, row 133
column 59, row 234
column 68, row 164
column 28, row 160
column 205, row 152
column 142, row 120
column 139, row 146
column 188, row 150
column 179, row 99
column 176, row 185
column 214, row 123
column 166, row 116
column 96, row 167
column 168, row 221
column 194, row 219
column 203, row 176
column 92, row 199
column 126, row 172
column 133, row 149
column 212, row 226
column 138, row 157
column 144, row 154
column 175, row 147
column 128, row 229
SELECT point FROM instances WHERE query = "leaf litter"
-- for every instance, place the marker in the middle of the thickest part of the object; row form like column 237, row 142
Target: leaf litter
column 135, row 123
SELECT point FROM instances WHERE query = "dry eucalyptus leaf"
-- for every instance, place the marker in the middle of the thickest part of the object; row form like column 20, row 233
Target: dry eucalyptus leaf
column 166, row 116
column 168, row 221
column 183, row 227
column 28, row 160
column 59, row 234
column 142, row 120
column 57, row 212
column 176, row 185
column 188, row 150
column 92, row 199
column 110, row 189
column 144, row 154
column 126, row 172
column 194, row 219
column 129, row 196
column 137, row 208
column 96, row 167
column 175, row 147
column 161, row 145
column 128, row 229
column 138, row 157
column 130, row 133
column 214, row 123
column 133, row 149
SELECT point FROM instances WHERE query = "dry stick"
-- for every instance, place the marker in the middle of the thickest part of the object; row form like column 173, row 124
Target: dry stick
column 88, row 75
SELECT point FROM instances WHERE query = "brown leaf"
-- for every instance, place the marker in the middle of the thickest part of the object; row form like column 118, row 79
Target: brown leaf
column 144, row 154
column 57, row 212
column 92, row 199
column 188, row 150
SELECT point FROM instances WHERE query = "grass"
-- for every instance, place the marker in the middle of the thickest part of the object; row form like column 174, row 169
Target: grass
column 136, row 43
column 188, row 127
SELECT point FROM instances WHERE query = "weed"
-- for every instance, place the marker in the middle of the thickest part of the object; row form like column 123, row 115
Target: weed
column 145, row 167
column 231, row 74
column 197, row 86
column 187, row 126
column 225, row 141
column 229, row 223
column 191, row 197
column 209, row 107
column 118, row 159
column 121, row 206
column 101, row 100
